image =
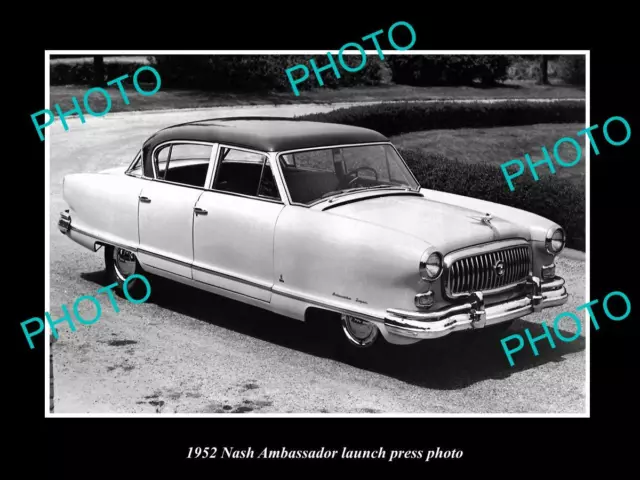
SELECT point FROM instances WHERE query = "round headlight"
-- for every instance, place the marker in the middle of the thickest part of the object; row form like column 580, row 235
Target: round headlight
column 430, row 265
column 555, row 241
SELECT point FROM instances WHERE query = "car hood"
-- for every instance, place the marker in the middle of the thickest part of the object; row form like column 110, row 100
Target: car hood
column 444, row 226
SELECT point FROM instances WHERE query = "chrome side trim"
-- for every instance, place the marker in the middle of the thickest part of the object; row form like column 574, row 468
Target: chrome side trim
column 327, row 306
column 231, row 277
column 102, row 240
column 173, row 260
column 164, row 257
column 206, row 270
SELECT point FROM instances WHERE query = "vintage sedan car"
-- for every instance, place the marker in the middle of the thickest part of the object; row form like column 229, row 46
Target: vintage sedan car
column 315, row 220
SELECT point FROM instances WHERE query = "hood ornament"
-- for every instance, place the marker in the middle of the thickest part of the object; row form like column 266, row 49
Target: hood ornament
column 487, row 219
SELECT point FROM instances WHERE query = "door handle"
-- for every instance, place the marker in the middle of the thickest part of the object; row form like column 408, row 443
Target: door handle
column 145, row 199
column 200, row 211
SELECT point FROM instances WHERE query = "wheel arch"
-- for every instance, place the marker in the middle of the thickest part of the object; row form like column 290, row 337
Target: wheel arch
column 314, row 316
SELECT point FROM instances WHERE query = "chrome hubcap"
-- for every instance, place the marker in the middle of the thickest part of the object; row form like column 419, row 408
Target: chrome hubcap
column 124, row 262
column 361, row 333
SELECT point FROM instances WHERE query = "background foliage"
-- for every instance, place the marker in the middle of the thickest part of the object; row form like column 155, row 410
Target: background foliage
column 403, row 117
column 551, row 197
column 267, row 72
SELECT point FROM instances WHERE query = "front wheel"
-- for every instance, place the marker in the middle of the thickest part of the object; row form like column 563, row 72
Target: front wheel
column 121, row 264
column 359, row 333
column 356, row 340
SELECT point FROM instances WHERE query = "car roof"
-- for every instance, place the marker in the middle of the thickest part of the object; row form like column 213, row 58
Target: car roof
column 269, row 134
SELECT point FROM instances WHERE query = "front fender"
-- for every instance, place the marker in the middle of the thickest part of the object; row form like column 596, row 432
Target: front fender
column 337, row 261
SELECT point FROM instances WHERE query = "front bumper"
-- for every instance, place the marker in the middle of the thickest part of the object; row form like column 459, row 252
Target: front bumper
column 473, row 315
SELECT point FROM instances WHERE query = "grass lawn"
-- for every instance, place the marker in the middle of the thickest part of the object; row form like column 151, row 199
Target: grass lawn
column 170, row 99
column 501, row 144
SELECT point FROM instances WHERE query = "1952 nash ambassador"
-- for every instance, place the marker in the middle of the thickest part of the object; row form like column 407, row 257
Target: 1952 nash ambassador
column 315, row 219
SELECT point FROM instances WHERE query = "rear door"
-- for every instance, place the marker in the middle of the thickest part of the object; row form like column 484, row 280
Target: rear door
column 235, row 222
column 166, row 205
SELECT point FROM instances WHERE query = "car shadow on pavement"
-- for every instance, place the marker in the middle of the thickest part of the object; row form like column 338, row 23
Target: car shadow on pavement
column 449, row 363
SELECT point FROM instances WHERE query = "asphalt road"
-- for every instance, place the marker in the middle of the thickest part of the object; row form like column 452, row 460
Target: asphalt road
column 188, row 351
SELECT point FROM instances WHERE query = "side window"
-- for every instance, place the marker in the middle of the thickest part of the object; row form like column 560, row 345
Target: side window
column 183, row 163
column 245, row 173
column 136, row 166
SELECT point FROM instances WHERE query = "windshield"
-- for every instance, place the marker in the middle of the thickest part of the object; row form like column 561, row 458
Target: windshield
column 314, row 175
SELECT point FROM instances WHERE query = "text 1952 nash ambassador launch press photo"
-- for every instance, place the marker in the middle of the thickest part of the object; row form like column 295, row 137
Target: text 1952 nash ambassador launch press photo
column 370, row 246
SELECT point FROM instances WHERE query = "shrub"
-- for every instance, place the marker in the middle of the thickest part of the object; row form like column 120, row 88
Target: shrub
column 421, row 70
column 226, row 72
column 571, row 69
column 257, row 72
column 403, row 117
column 81, row 73
column 551, row 197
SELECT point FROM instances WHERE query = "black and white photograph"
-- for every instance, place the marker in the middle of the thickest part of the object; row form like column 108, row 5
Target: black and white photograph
column 312, row 234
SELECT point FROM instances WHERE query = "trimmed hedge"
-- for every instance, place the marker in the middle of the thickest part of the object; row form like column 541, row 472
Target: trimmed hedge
column 425, row 70
column 551, row 197
column 403, row 117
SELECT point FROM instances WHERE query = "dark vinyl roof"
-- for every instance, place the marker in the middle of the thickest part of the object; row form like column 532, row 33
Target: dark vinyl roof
column 271, row 134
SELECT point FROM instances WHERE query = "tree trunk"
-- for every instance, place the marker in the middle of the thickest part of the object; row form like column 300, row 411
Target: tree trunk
column 98, row 70
column 544, row 74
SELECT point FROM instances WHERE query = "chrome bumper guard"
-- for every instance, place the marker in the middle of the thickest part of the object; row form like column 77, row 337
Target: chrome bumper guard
column 64, row 223
column 473, row 315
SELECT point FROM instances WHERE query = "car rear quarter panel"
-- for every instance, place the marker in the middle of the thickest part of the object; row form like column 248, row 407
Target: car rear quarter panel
column 346, row 263
column 104, row 206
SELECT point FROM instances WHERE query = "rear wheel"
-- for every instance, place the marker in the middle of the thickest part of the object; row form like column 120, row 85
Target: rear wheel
column 120, row 265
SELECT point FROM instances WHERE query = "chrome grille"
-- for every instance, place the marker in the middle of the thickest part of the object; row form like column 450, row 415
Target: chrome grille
column 479, row 273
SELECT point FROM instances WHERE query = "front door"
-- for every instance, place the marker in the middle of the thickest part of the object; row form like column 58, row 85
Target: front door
column 234, row 225
column 166, row 206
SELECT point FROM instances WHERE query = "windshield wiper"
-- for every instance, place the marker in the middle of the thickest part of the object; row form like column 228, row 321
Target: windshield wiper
column 339, row 193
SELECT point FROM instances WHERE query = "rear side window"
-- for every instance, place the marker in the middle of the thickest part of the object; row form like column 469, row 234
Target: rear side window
column 183, row 163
